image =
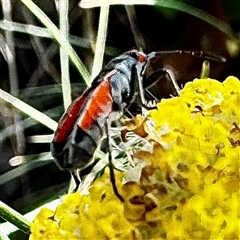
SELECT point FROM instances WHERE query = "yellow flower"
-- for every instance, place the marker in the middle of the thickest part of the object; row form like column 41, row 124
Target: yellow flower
column 187, row 188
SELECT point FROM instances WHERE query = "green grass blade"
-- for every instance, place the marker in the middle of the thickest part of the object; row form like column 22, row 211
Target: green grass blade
column 3, row 236
column 176, row 5
column 14, row 217
column 65, row 78
column 43, row 32
column 57, row 36
column 31, row 162
column 99, row 3
column 32, row 112
column 101, row 41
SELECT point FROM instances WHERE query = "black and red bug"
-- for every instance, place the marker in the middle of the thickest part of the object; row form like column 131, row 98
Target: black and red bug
column 82, row 127
column 118, row 85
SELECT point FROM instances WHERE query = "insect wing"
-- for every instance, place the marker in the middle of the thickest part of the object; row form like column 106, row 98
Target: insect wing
column 82, row 126
column 67, row 121
column 98, row 106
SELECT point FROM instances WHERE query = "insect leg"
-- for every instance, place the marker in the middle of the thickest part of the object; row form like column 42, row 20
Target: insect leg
column 173, row 80
column 111, row 167
column 152, row 80
column 138, row 95
column 76, row 178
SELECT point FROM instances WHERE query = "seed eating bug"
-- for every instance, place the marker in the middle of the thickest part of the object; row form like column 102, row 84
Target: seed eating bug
column 82, row 127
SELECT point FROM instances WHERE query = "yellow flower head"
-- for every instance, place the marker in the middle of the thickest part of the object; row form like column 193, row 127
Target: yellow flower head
column 186, row 188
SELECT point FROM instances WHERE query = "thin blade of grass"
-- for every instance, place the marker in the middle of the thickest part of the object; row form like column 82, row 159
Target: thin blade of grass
column 18, row 141
column 65, row 78
column 14, row 217
column 32, row 112
column 99, row 3
column 176, row 5
column 4, row 49
column 29, row 163
column 43, row 32
column 57, row 36
column 44, row 138
column 138, row 36
column 4, row 236
column 27, row 122
column 101, row 41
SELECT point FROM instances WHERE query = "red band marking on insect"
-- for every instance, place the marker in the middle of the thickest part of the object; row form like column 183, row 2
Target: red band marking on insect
column 99, row 103
column 142, row 57
column 66, row 123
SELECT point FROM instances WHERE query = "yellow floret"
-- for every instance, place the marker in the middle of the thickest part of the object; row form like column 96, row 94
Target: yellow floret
column 188, row 187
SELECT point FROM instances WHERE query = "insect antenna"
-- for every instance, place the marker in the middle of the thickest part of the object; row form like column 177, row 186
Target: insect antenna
column 208, row 56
